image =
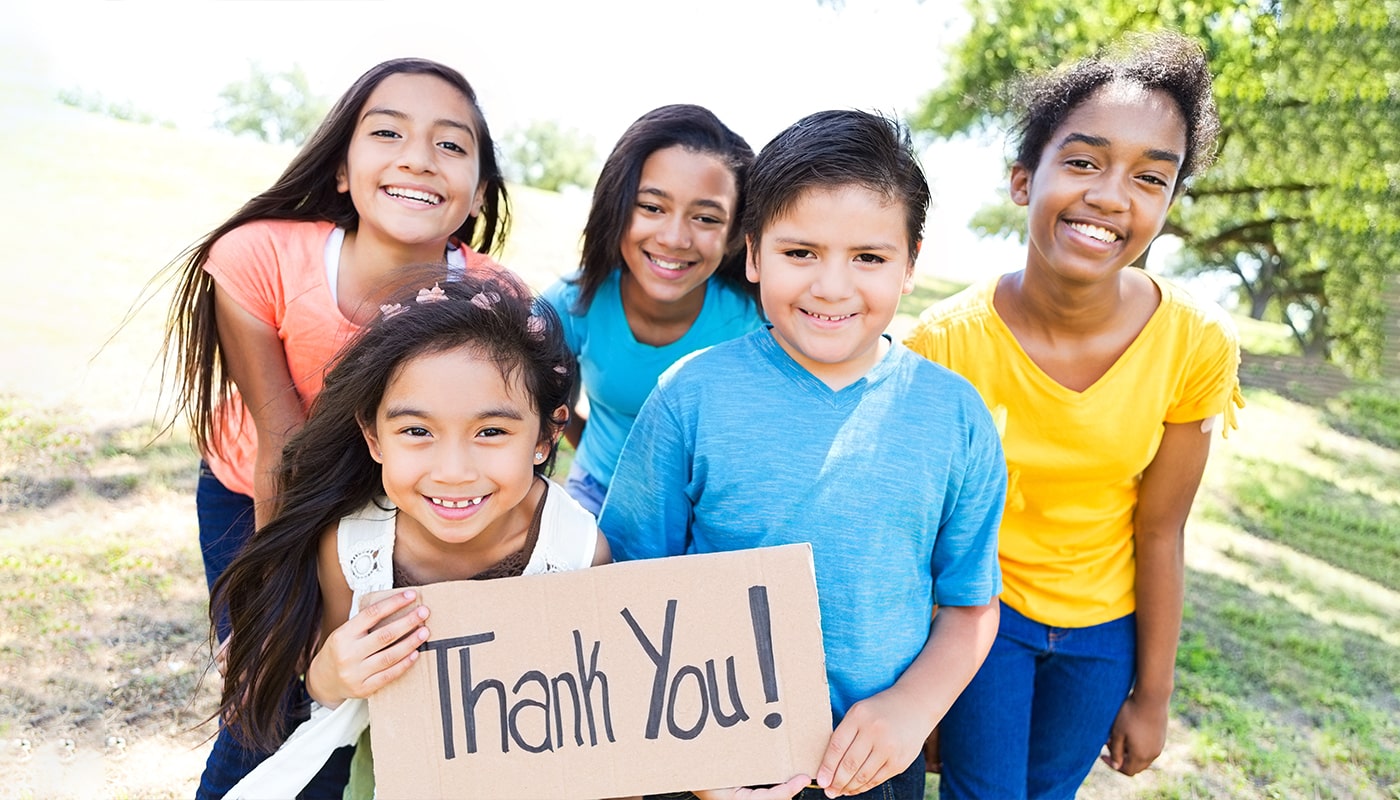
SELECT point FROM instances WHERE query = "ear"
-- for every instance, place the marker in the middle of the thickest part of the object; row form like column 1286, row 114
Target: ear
column 342, row 178
column 908, row 286
column 478, row 201
column 371, row 441
column 1020, row 184
column 751, row 260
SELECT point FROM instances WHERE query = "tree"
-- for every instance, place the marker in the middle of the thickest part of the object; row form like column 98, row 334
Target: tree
column 1303, row 206
column 549, row 156
column 272, row 106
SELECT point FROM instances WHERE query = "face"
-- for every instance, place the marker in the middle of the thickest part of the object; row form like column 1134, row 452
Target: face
column 1104, row 184
column 830, row 273
column 412, row 169
column 458, row 443
column 680, row 224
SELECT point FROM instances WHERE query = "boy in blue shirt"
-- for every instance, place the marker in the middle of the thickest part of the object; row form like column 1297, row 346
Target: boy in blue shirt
column 819, row 428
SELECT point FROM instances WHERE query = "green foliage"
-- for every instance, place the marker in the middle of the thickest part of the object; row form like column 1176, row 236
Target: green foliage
column 272, row 106
column 1303, row 206
column 549, row 156
column 97, row 104
column 1371, row 412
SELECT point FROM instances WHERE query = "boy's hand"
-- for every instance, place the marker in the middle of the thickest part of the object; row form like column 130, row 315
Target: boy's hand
column 371, row 649
column 783, row 791
column 878, row 739
column 1138, row 735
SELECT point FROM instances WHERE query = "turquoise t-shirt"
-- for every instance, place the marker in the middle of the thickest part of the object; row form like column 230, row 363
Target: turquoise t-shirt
column 897, row 481
column 618, row 372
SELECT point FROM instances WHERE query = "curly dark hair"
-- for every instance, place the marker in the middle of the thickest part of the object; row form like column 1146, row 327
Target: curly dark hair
column 1161, row 60
column 271, row 593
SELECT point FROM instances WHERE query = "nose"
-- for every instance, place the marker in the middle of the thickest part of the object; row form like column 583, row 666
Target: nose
column 417, row 154
column 832, row 280
column 674, row 232
column 454, row 463
column 1109, row 192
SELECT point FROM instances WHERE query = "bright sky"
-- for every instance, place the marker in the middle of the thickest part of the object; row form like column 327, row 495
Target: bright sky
column 591, row 64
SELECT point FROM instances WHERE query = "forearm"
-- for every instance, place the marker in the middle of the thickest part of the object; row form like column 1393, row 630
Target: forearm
column 1160, row 578
column 957, row 644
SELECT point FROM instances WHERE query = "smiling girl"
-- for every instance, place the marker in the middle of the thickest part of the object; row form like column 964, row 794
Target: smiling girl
column 401, row 171
column 663, row 223
column 1107, row 382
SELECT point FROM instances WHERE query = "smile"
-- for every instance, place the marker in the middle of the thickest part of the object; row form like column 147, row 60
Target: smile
column 413, row 194
column 827, row 317
column 1094, row 232
column 668, row 264
column 437, row 501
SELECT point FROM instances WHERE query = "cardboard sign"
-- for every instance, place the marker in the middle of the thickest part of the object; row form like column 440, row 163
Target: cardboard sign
column 679, row 673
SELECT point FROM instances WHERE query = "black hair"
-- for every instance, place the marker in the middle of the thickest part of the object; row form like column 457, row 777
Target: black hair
column 830, row 149
column 306, row 191
column 1161, row 60
column 691, row 127
column 270, row 591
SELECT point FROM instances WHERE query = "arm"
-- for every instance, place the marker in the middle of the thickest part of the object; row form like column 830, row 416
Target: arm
column 882, row 734
column 1164, row 500
column 602, row 553
column 257, row 364
column 371, row 649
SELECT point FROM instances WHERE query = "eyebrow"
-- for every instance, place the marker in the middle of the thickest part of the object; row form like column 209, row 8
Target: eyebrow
column 1153, row 153
column 703, row 201
column 443, row 121
column 503, row 412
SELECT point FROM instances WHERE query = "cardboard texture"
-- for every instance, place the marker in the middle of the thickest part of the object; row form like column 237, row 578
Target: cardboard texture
column 679, row 673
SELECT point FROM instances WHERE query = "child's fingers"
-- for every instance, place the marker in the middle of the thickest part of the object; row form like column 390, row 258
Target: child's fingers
column 848, row 764
column 394, row 661
column 377, row 612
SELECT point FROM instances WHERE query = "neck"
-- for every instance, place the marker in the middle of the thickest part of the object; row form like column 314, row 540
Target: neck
column 655, row 322
column 1061, row 308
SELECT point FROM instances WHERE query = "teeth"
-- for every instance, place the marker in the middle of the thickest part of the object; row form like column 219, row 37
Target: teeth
column 1095, row 232
column 674, row 266
column 475, row 501
column 413, row 194
column 827, row 318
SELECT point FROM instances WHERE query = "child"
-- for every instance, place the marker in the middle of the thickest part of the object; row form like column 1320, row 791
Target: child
column 423, row 460
column 1108, row 381
column 664, row 220
column 402, row 170
column 807, row 431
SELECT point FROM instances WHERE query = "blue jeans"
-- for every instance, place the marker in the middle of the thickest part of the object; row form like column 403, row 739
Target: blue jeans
column 1039, row 710
column 907, row 785
column 586, row 489
column 225, row 523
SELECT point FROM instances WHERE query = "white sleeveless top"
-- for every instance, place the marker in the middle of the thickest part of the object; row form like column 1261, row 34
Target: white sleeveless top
column 568, row 540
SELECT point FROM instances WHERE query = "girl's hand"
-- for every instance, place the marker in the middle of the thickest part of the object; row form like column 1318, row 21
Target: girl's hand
column 373, row 648
column 1138, row 735
column 783, row 791
column 878, row 739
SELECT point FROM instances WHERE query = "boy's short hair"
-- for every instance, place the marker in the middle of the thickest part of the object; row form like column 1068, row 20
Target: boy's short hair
column 830, row 149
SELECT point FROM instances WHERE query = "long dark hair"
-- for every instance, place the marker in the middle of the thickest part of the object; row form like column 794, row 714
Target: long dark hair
column 615, row 196
column 305, row 191
column 270, row 592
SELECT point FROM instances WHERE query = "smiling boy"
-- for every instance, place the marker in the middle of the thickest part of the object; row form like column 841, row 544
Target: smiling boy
column 818, row 428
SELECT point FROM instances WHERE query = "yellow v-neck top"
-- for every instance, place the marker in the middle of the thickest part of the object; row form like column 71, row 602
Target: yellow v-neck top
column 1075, row 459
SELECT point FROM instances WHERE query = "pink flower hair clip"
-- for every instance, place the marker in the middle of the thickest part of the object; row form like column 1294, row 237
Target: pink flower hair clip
column 484, row 300
column 391, row 311
column 535, row 327
column 433, row 295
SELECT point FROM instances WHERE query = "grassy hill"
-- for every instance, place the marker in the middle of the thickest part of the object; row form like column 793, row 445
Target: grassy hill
column 1289, row 675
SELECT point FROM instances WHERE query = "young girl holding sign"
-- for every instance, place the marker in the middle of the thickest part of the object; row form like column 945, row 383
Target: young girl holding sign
column 1107, row 383
column 423, row 461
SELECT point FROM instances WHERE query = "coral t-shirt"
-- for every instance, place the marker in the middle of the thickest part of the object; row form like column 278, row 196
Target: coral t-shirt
column 276, row 270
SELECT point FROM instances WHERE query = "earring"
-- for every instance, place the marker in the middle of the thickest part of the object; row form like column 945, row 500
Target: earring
column 539, row 456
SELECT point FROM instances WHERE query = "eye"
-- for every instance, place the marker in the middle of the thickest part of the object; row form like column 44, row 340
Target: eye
column 453, row 146
column 1079, row 163
column 491, row 433
column 870, row 258
column 706, row 219
column 1155, row 180
column 650, row 208
column 384, row 134
column 416, row 431
column 799, row 253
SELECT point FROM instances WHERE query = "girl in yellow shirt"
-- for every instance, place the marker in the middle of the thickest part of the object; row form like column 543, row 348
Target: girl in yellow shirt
column 1107, row 383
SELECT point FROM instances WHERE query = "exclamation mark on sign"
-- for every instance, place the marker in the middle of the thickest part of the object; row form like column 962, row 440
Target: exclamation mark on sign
column 763, row 642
